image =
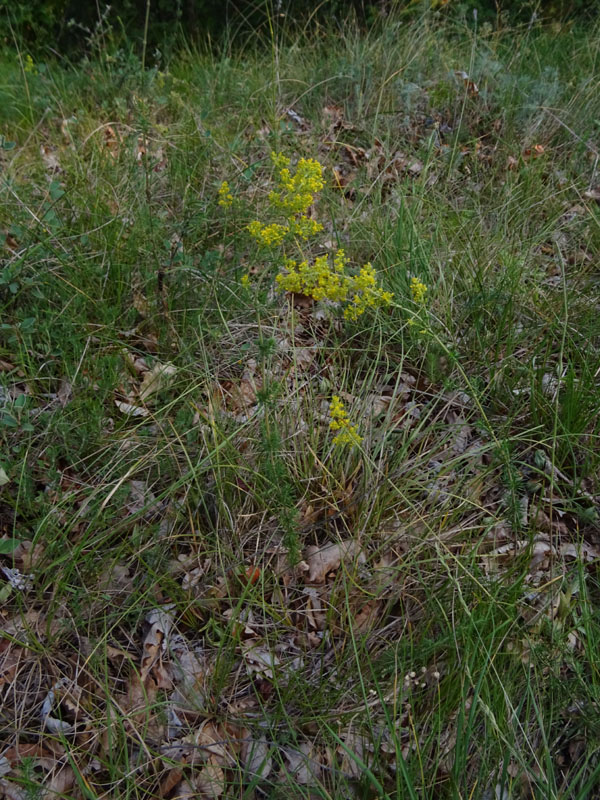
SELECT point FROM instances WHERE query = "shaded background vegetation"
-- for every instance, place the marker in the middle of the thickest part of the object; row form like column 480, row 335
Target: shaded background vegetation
column 74, row 27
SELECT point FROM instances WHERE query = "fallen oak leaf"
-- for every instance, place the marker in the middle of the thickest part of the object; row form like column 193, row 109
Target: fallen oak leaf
column 112, row 140
column 170, row 781
column 66, row 695
column 591, row 194
column 155, row 644
column 27, row 554
column 322, row 560
column 378, row 404
column 210, row 781
column 131, row 410
column 256, row 756
column 10, row 791
column 60, row 782
column 155, row 379
column 138, row 706
column 215, row 743
column 10, row 656
column 186, row 791
column 533, row 152
column 365, row 617
column 259, row 659
column 153, row 674
column 188, row 673
column 301, row 764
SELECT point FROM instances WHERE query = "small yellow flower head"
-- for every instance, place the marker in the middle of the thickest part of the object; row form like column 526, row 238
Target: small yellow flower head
column 245, row 281
column 304, row 227
column 418, row 291
column 225, row 196
column 29, row 66
column 295, row 192
column 338, row 421
column 279, row 160
column 268, row 235
column 366, row 294
column 340, row 261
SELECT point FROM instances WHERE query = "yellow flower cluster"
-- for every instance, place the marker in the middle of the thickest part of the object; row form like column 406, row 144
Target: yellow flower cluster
column 29, row 65
column 320, row 280
column 418, row 291
column 225, row 196
column 366, row 293
column 339, row 422
column 292, row 198
column 316, row 280
column 296, row 192
column 268, row 235
column 304, row 227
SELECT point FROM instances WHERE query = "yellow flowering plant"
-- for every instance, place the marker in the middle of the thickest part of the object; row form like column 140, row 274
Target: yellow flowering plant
column 339, row 421
column 320, row 280
column 418, row 291
column 325, row 277
column 225, row 196
column 29, row 65
column 291, row 199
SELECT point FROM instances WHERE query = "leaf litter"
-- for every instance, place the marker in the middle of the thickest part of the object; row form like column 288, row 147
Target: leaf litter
column 164, row 676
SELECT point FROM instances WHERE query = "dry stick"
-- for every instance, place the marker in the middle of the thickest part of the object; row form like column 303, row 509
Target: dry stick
column 145, row 42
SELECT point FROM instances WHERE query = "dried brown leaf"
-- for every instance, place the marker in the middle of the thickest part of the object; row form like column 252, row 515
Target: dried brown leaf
column 366, row 616
column 49, row 158
column 155, row 644
column 189, row 674
column 141, row 303
column 215, row 742
column 304, row 357
column 259, row 660
column 27, row 555
column 11, row 655
column 355, row 755
column 112, row 140
column 593, row 194
column 535, row 151
column 256, row 757
column 377, row 404
column 10, row 791
column 155, row 379
column 471, row 86
column 315, row 610
column 170, row 781
column 132, row 410
column 322, row 560
column 61, row 782
column 302, row 765
column 140, row 698
column 210, row 781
